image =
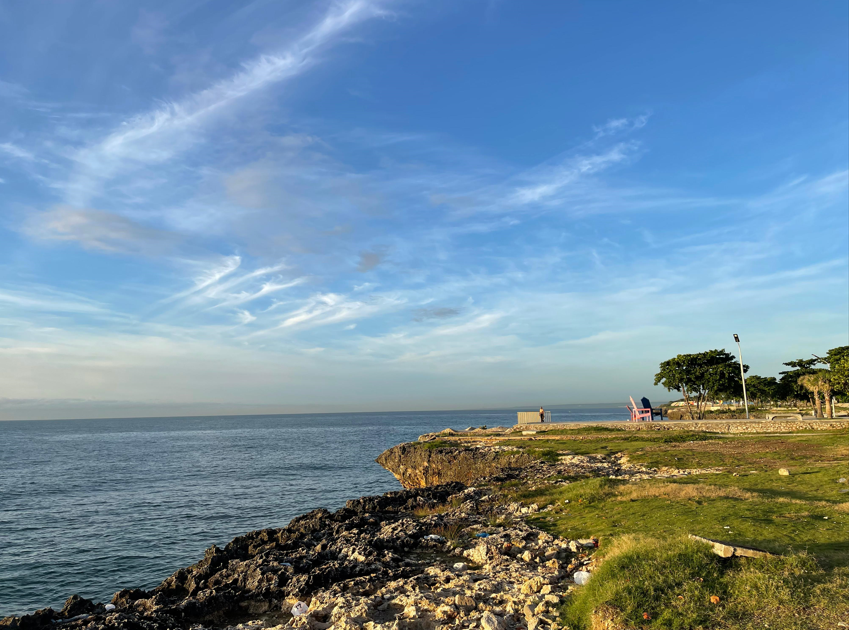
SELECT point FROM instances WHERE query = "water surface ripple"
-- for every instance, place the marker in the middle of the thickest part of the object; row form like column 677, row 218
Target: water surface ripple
column 93, row 506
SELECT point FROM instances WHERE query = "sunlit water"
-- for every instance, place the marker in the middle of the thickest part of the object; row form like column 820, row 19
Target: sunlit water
column 93, row 506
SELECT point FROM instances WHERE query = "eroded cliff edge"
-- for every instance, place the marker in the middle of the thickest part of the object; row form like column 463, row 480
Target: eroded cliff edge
column 423, row 464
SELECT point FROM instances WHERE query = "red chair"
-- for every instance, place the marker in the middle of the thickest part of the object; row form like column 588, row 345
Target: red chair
column 639, row 414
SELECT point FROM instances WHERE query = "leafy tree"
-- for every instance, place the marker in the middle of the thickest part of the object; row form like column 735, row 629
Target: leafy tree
column 838, row 365
column 702, row 375
column 792, row 388
column 763, row 389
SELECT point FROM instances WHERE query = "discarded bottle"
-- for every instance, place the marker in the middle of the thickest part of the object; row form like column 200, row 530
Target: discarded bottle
column 581, row 577
column 300, row 608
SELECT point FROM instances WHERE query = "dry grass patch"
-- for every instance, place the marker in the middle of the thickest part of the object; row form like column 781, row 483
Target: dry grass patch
column 441, row 508
column 679, row 491
column 452, row 532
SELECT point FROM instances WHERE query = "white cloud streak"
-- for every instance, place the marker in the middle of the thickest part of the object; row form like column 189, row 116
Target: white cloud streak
column 157, row 136
column 17, row 152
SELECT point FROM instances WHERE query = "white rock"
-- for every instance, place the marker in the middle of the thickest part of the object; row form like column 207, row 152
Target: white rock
column 581, row 577
column 492, row 622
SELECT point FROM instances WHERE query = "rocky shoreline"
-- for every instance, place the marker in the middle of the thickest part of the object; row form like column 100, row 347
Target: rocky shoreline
column 374, row 564
column 415, row 465
column 426, row 557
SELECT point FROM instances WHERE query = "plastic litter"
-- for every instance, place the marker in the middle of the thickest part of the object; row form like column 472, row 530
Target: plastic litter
column 581, row 577
column 435, row 538
column 300, row 608
column 109, row 607
column 461, row 566
column 482, row 535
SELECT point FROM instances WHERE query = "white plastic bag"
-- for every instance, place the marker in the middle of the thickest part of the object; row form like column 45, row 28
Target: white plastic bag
column 581, row 577
column 299, row 609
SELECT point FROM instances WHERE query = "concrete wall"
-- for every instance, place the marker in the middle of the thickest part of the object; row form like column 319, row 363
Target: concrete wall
column 532, row 417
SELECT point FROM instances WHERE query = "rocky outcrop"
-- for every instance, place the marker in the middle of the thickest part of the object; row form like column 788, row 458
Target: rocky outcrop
column 415, row 465
column 422, row 464
column 370, row 565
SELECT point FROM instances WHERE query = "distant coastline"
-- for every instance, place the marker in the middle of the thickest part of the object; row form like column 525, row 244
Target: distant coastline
column 11, row 412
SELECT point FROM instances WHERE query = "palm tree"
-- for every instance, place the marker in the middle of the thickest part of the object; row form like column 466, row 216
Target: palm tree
column 813, row 383
column 827, row 388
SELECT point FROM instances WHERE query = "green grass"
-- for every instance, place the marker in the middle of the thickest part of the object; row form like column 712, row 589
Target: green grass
column 748, row 452
column 438, row 444
column 612, row 441
column 643, row 526
column 694, row 449
column 605, row 508
column 677, row 584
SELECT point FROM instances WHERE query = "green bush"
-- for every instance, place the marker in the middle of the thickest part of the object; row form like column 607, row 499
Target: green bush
column 669, row 584
column 669, row 581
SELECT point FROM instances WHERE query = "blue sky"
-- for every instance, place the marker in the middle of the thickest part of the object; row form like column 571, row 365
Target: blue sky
column 212, row 206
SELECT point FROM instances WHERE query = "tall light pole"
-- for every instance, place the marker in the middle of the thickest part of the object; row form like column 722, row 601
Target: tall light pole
column 742, row 375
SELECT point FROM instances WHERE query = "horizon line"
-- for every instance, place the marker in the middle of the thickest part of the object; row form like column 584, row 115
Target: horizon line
column 609, row 405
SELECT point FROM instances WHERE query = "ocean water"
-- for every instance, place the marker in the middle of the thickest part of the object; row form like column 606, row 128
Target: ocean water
column 93, row 506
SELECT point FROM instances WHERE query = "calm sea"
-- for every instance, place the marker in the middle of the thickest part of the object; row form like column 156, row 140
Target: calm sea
column 93, row 506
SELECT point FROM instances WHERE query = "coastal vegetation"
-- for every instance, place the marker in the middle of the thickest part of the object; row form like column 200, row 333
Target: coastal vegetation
column 715, row 374
column 701, row 377
column 651, row 575
column 679, row 583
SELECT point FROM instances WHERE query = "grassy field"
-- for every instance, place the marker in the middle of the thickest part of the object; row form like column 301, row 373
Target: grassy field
column 653, row 576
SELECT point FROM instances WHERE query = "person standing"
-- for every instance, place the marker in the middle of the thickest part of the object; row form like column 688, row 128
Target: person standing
column 541, row 414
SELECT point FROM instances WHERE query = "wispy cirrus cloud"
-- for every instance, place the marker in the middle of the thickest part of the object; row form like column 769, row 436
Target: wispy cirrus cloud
column 220, row 285
column 48, row 299
column 158, row 135
column 549, row 182
column 16, row 152
column 620, row 125
column 322, row 309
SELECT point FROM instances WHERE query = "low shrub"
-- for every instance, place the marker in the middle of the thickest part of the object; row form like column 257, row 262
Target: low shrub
column 453, row 532
column 653, row 583
column 679, row 584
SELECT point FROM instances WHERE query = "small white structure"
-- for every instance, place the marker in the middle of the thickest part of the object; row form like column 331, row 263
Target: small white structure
column 532, row 417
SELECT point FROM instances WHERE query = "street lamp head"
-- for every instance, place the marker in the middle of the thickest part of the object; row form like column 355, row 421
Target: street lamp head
column 736, row 338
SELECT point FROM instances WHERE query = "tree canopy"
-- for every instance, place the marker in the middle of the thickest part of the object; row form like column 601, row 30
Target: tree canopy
column 791, row 387
column 703, row 375
column 838, row 364
column 763, row 388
